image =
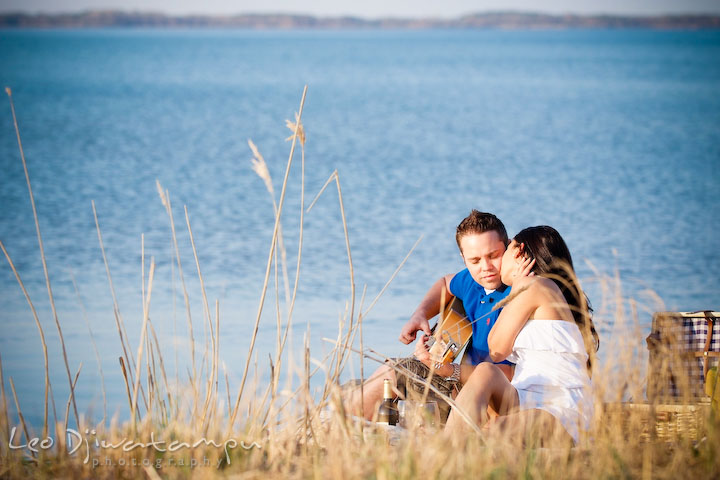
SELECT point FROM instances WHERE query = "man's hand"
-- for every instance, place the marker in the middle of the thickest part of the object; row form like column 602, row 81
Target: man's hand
column 422, row 352
column 430, row 306
column 410, row 329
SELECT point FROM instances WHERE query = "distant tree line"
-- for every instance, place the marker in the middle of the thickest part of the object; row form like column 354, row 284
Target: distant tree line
column 491, row 20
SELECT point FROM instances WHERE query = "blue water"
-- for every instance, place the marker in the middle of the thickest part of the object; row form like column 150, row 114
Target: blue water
column 612, row 137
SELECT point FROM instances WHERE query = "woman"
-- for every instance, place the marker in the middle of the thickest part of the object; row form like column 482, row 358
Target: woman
column 546, row 329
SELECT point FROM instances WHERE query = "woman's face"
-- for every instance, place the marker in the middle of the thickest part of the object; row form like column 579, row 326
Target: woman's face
column 509, row 262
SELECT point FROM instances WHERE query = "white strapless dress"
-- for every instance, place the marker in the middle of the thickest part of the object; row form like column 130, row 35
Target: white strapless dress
column 551, row 373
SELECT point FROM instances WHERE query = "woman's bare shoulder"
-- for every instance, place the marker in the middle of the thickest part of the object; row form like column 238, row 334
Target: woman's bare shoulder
column 533, row 282
column 534, row 285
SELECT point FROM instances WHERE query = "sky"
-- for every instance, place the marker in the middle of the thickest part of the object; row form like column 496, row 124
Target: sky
column 368, row 8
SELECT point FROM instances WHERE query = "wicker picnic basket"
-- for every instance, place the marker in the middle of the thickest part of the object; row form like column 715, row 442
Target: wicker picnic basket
column 668, row 422
column 682, row 347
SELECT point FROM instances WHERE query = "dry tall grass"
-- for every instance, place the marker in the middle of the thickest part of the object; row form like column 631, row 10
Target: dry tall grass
column 191, row 431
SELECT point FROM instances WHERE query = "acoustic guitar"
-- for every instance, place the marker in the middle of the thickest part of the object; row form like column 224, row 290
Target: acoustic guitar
column 451, row 334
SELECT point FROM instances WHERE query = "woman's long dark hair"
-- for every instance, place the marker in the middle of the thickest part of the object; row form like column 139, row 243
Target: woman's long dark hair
column 553, row 260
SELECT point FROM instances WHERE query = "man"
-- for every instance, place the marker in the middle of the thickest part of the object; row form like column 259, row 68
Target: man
column 482, row 239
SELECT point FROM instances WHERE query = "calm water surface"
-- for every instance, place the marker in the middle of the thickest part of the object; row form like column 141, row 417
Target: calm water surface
column 612, row 137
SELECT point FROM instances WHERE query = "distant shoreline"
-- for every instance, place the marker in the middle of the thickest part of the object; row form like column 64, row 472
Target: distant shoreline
column 486, row 20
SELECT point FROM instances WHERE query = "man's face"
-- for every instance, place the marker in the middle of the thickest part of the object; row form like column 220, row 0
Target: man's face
column 483, row 254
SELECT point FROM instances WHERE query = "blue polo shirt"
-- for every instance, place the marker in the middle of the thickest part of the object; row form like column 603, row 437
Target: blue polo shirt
column 478, row 307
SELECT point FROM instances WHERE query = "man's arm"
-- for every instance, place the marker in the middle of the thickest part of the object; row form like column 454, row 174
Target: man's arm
column 428, row 308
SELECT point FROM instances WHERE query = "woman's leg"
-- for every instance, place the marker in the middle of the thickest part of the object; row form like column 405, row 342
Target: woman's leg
column 372, row 393
column 487, row 387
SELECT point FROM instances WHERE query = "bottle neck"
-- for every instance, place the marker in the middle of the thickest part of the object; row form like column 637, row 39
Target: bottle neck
column 387, row 390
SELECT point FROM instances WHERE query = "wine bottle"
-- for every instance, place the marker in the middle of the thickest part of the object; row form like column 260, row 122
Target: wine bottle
column 387, row 411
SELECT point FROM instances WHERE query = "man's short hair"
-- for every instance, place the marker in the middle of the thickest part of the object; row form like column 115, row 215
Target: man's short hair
column 480, row 222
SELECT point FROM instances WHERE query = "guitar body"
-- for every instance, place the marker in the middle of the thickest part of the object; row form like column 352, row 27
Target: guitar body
column 451, row 334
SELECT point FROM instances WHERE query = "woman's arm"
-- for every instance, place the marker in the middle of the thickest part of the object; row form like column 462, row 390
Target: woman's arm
column 514, row 316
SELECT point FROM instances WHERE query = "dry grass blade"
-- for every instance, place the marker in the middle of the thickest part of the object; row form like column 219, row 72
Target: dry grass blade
column 392, row 277
column 42, row 339
column 150, row 372
column 3, row 402
column 70, row 397
column 319, row 194
column 42, row 254
column 352, row 277
column 362, row 348
column 335, row 176
column 127, row 371
column 162, row 365
column 260, row 167
column 206, row 309
column 306, row 383
column 341, row 353
column 297, row 126
column 151, row 395
column 127, row 381
column 165, row 198
column 267, row 271
column 278, row 327
column 151, row 473
column 216, row 360
column 94, row 345
column 143, row 333
column 227, row 385
column 20, row 414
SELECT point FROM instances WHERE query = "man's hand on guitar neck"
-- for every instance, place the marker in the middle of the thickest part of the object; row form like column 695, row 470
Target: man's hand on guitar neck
column 422, row 353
